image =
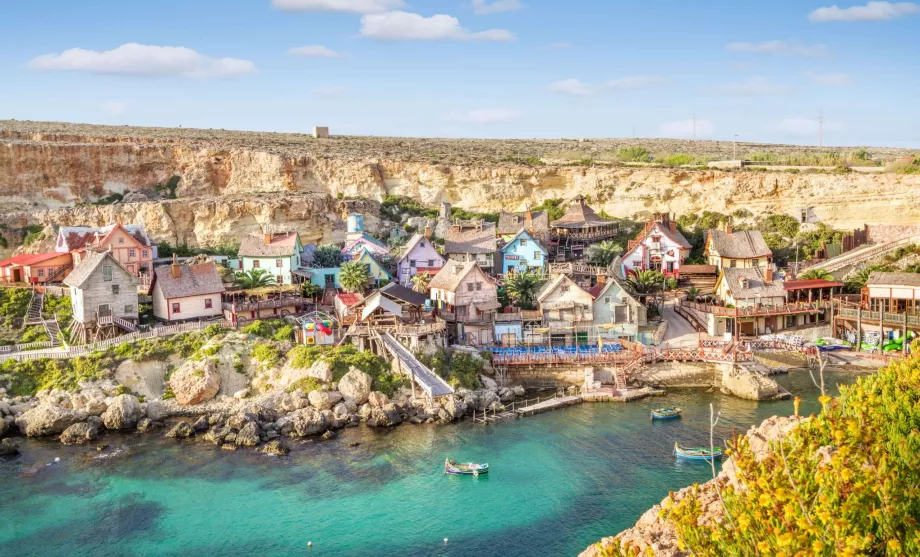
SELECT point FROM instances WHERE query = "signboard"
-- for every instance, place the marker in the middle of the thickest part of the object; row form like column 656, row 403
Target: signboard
column 512, row 257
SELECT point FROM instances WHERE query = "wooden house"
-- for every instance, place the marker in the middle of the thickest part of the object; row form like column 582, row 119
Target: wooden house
column 472, row 241
column 418, row 256
column 37, row 268
column 568, row 310
column 103, row 296
column 523, row 253
column 578, row 228
column 184, row 292
column 737, row 249
column 128, row 244
column 278, row 253
column 467, row 299
column 536, row 223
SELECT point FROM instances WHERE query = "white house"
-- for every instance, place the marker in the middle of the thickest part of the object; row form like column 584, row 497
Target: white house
column 659, row 247
column 418, row 255
column 182, row 292
column 279, row 254
column 103, row 294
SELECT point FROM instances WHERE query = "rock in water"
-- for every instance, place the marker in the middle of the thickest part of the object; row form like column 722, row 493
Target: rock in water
column 377, row 399
column 356, row 384
column 4, row 427
column 276, row 448
column 201, row 424
column 384, row 417
column 195, row 382
column 79, row 433
column 45, row 419
column 218, row 434
column 248, row 435
column 324, row 400
column 308, row 421
column 8, row 447
column 123, row 413
column 181, row 431
column 146, row 424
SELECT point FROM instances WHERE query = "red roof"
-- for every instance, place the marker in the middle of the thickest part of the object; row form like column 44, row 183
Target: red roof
column 427, row 270
column 595, row 290
column 27, row 259
column 350, row 299
column 810, row 283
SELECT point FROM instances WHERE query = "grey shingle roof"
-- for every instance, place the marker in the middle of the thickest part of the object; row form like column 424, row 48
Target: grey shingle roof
column 579, row 214
column 78, row 277
column 878, row 278
column 471, row 239
column 399, row 292
column 740, row 244
column 194, row 280
column 282, row 245
column 510, row 223
column 450, row 275
column 756, row 286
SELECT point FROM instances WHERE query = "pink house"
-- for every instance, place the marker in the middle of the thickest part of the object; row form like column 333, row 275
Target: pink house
column 659, row 247
column 418, row 256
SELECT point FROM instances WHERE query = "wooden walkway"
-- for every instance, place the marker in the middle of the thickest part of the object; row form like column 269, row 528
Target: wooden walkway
column 547, row 405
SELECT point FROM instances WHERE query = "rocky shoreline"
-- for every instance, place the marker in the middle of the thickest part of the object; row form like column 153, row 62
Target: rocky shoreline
column 262, row 421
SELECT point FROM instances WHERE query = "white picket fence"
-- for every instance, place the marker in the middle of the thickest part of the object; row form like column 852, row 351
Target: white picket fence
column 74, row 351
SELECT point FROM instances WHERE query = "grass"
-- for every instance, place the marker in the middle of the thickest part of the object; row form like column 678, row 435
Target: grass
column 30, row 376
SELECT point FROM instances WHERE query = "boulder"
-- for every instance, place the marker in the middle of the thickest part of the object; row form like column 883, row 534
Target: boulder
column 453, row 409
column 201, row 424
column 356, row 384
column 4, row 427
column 156, row 410
column 241, row 394
column 123, row 412
column 340, row 410
column 146, row 424
column 91, row 401
column 387, row 416
column 488, row 382
column 218, row 434
column 248, row 435
column 377, row 399
column 134, row 197
column 181, row 431
column 365, row 411
column 238, row 421
column 321, row 370
column 518, row 390
column 350, row 404
column 9, row 447
column 195, row 382
column 277, row 448
column 505, row 394
column 5, row 408
column 308, row 421
column 324, row 400
column 45, row 419
column 79, row 433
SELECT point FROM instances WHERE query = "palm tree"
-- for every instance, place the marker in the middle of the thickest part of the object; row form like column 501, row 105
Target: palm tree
column 816, row 274
column 420, row 282
column 604, row 253
column 523, row 288
column 253, row 278
column 353, row 276
column 693, row 293
column 647, row 282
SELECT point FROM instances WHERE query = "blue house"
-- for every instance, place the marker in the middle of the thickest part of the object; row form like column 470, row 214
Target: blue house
column 523, row 253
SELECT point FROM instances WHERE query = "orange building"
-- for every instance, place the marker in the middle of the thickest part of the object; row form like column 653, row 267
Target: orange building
column 128, row 244
column 36, row 267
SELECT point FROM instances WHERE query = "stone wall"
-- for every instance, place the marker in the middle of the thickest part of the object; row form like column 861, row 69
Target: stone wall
column 679, row 374
column 562, row 375
column 883, row 233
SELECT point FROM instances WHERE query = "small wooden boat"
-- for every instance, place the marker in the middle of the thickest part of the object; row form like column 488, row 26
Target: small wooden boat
column 464, row 468
column 668, row 413
column 697, row 453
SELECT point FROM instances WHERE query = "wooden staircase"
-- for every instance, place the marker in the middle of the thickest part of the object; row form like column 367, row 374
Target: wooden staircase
column 58, row 274
column 54, row 331
column 34, row 313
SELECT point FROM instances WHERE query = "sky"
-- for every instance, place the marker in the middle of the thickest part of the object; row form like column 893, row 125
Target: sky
column 758, row 71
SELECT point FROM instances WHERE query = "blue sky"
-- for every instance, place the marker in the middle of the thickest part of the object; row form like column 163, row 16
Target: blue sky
column 472, row 68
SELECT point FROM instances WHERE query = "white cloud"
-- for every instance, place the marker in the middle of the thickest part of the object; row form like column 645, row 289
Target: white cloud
column 486, row 116
column 114, row 108
column 144, row 60
column 350, row 6
column 329, row 91
column 483, row 7
column 571, row 87
column 315, row 51
column 687, row 128
column 779, row 47
column 576, row 88
column 873, row 11
column 405, row 26
column 636, row 82
column 805, row 127
column 559, row 44
column 756, row 86
column 832, row 79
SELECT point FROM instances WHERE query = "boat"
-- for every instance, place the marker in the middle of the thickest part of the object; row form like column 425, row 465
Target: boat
column 697, row 453
column 464, row 468
column 668, row 413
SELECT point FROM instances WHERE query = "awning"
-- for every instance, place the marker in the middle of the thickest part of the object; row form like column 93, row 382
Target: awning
column 378, row 301
column 486, row 306
column 302, row 273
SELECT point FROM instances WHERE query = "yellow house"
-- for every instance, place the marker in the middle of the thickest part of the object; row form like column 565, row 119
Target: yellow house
column 742, row 249
column 375, row 271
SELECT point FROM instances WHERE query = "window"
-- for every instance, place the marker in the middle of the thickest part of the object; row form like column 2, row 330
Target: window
column 537, row 255
column 207, row 303
column 412, row 262
column 469, row 287
column 255, row 264
column 421, row 244
column 732, row 263
column 132, row 253
column 121, row 240
column 478, row 286
column 565, row 288
column 129, row 309
column 278, row 263
column 607, row 300
column 523, row 242
column 431, row 262
column 176, row 308
column 757, row 262
column 144, row 254
column 41, row 272
column 115, row 289
column 279, row 279
column 106, row 272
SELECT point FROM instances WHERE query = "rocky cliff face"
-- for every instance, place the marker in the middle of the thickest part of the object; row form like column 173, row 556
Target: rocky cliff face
column 224, row 190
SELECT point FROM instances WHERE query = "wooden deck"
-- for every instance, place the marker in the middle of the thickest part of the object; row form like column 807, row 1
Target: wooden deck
column 551, row 404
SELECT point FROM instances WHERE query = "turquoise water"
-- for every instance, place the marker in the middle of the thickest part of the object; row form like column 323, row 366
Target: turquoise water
column 559, row 482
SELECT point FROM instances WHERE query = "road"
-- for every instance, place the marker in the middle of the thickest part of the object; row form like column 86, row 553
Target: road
column 680, row 332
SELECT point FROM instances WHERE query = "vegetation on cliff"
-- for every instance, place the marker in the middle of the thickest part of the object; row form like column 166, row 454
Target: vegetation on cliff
column 843, row 483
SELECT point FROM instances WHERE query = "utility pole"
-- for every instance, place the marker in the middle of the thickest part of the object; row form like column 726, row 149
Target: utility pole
column 820, row 128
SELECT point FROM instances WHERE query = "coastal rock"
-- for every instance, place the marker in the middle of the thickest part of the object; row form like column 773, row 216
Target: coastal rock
column 123, row 412
column 308, row 421
column 146, row 424
column 241, row 394
column 518, row 390
column 9, row 447
column 488, row 383
column 201, row 424
column 4, row 427
column 365, row 411
column 156, row 410
column 195, row 382
column 79, row 433
column 217, row 435
column 356, row 384
column 248, row 435
column 340, row 410
column 377, row 399
column 181, row 430
column 5, row 408
column 291, row 402
column 277, row 448
column 324, row 400
column 350, row 404
column 239, row 421
column 505, row 394
column 387, row 416
column 321, row 370
column 91, row 401
column 45, row 419
column 453, row 409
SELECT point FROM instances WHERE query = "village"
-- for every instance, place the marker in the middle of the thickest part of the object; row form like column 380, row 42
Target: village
column 535, row 302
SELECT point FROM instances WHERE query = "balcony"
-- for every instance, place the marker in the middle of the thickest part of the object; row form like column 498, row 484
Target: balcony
column 576, row 234
column 756, row 311
column 893, row 320
column 236, row 307
column 482, row 318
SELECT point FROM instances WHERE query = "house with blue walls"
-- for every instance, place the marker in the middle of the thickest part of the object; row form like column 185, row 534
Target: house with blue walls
column 276, row 253
column 522, row 254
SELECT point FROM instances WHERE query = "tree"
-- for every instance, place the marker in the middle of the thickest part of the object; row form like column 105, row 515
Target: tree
column 353, row 276
column 816, row 274
column 253, row 278
column 420, row 282
column 310, row 290
column 327, row 256
column 604, row 253
column 523, row 288
column 647, row 282
column 693, row 293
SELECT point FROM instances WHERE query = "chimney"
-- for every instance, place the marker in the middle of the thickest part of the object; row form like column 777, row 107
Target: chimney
column 427, row 231
column 768, row 275
column 268, row 239
column 176, row 271
column 729, row 228
column 673, row 226
column 111, row 247
column 601, row 278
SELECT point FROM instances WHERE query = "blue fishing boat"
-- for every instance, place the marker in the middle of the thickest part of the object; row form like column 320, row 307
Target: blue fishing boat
column 668, row 413
column 464, row 468
column 697, row 453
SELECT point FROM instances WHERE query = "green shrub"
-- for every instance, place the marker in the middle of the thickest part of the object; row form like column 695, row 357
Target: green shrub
column 633, row 154
column 266, row 354
column 211, row 350
column 258, row 328
column 340, row 359
column 14, row 302
column 31, row 376
column 306, row 384
column 213, row 330
column 168, row 393
column 33, row 333
column 284, row 333
column 389, row 383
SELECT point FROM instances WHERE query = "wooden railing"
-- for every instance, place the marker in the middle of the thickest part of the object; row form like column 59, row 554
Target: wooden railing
column 292, row 301
column 875, row 316
column 452, row 317
column 754, row 311
column 508, row 317
column 576, row 234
